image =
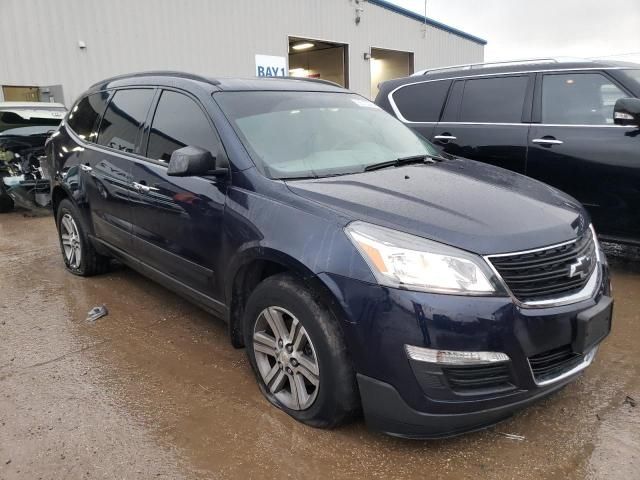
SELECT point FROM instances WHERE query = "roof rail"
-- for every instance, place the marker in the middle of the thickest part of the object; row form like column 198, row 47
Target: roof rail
column 316, row 80
column 472, row 66
column 159, row 73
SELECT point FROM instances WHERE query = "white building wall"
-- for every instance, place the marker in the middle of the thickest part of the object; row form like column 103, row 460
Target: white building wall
column 39, row 38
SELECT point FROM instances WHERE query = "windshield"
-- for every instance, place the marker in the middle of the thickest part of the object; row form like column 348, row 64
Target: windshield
column 316, row 134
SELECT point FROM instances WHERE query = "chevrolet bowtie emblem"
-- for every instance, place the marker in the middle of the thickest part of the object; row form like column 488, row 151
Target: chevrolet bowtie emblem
column 581, row 268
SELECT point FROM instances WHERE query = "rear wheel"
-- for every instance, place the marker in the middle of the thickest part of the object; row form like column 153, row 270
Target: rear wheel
column 298, row 354
column 80, row 257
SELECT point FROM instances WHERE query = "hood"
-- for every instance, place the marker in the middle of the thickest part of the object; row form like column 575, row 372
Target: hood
column 462, row 203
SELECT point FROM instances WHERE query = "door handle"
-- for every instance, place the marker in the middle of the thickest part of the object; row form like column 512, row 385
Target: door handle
column 547, row 141
column 86, row 168
column 142, row 188
column 445, row 137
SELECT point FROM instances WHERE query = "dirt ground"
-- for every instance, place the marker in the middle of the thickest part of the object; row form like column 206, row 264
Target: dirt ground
column 154, row 390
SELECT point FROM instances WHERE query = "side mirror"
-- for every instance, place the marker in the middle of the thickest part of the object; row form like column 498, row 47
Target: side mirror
column 192, row 161
column 627, row 112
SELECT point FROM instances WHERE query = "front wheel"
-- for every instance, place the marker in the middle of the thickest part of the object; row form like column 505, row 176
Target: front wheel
column 298, row 354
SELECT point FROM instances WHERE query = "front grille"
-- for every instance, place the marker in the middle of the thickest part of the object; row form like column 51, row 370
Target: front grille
column 475, row 378
column 554, row 362
column 545, row 274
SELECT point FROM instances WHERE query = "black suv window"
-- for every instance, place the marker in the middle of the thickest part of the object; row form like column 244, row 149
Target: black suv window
column 494, row 100
column 179, row 122
column 422, row 102
column 83, row 118
column 125, row 115
column 579, row 99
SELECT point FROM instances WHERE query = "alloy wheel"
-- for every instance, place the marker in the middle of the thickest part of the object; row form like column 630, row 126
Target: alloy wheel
column 70, row 239
column 286, row 358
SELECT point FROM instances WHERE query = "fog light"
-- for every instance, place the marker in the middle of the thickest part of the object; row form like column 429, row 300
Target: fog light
column 449, row 357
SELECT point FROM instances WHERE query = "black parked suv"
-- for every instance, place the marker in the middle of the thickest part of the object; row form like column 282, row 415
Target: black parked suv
column 360, row 269
column 572, row 124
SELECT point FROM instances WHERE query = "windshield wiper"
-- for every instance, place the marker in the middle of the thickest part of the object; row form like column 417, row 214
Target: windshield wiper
column 398, row 162
column 317, row 177
column 300, row 177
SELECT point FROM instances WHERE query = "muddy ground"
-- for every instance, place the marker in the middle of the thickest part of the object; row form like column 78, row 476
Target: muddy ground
column 154, row 390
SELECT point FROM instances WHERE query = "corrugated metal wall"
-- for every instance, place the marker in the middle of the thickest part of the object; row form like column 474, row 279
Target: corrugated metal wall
column 39, row 38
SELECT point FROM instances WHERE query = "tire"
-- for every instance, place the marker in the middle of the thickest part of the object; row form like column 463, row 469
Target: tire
column 6, row 202
column 284, row 300
column 72, row 234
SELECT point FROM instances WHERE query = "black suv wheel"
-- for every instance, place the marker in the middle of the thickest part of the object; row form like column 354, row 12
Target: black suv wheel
column 297, row 352
column 78, row 253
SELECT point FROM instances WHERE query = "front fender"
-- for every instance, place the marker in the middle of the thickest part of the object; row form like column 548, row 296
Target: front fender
column 300, row 236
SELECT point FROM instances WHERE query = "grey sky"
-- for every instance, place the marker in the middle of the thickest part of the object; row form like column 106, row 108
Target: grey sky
column 543, row 28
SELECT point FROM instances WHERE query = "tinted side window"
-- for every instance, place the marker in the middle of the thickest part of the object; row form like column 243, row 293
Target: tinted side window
column 452, row 107
column 632, row 77
column 422, row 102
column 83, row 118
column 579, row 99
column 125, row 115
column 494, row 100
column 179, row 122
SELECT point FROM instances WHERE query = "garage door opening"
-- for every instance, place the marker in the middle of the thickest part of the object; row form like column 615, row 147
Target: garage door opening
column 387, row 65
column 318, row 59
column 20, row 94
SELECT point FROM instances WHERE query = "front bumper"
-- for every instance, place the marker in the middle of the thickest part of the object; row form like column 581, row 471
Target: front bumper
column 29, row 194
column 405, row 398
column 385, row 411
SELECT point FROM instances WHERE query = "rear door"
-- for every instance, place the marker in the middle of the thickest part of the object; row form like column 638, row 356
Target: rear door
column 487, row 119
column 178, row 224
column 107, row 168
column 420, row 105
column 575, row 146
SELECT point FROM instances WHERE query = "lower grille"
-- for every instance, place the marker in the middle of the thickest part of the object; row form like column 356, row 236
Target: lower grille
column 548, row 273
column 554, row 362
column 477, row 378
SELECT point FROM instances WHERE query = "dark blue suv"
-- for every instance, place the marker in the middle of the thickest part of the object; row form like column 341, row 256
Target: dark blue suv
column 361, row 269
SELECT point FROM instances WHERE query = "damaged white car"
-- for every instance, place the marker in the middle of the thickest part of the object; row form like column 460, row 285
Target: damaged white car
column 24, row 129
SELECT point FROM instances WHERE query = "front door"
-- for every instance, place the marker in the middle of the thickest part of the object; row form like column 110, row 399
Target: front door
column 577, row 148
column 178, row 220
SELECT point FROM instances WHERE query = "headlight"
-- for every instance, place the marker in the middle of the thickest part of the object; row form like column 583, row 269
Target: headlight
column 405, row 261
column 600, row 257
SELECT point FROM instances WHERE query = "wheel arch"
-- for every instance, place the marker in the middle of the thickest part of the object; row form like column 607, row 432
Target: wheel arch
column 58, row 193
column 255, row 265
